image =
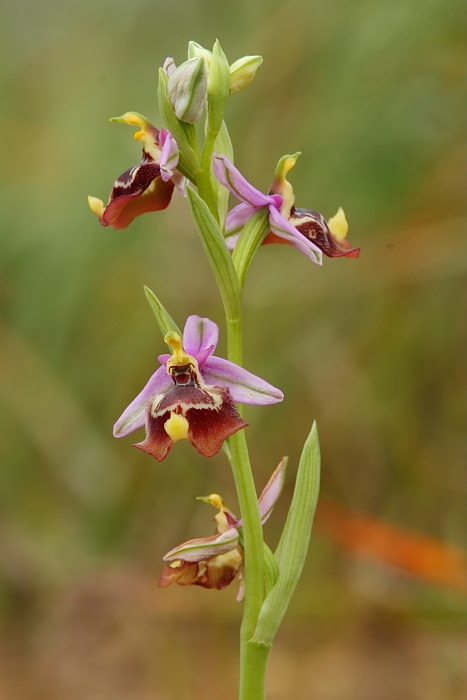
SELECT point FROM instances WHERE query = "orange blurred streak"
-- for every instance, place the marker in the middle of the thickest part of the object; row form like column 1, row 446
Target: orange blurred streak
column 419, row 555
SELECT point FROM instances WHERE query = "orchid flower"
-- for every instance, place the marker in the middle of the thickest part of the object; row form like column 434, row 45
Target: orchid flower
column 305, row 229
column 147, row 186
column 192, row 395
column 214, row 562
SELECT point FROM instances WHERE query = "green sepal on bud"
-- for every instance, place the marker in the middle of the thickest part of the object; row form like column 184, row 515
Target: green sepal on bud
column 243, row 72
column 218, row 90
column 195, row 50
column 187, row 89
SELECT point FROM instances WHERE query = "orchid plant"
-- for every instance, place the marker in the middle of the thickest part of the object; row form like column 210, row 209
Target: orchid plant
column 194, row 394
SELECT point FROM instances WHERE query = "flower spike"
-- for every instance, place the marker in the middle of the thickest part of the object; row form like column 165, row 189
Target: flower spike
column 193, row 394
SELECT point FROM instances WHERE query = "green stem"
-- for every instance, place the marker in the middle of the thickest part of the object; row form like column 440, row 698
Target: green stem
column 253, row 657
column 253, row 660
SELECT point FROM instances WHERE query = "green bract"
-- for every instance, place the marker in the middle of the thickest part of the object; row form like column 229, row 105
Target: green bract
column 217, row 253
column 223, row 144
column 163, row 318
column 250, row 240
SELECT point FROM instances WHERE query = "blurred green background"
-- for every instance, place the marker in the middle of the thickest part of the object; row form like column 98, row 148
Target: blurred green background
column 371, row 93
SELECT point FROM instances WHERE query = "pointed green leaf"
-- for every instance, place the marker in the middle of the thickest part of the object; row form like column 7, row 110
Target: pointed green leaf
column 293, row 545
column 163, row 318
column 217, row 253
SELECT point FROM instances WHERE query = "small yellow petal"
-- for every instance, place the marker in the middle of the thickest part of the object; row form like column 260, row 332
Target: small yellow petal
column 176, row 427
column 173, row 339
column 289, row 163
column 338, row 224
column 147, row 133
column 216, row 501
column 221, row 521
column 285, row 165
column 280, row 184
column 96, row 205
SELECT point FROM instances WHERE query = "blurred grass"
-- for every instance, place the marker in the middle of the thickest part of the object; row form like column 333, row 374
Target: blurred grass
column 371, row 94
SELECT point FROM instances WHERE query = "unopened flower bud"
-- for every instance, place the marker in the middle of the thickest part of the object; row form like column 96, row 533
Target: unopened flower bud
column 187, row 89
column 243, row 72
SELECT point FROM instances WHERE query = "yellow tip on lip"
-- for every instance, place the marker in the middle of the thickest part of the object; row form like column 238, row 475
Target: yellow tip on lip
column 176, row 427
column 338, row 224
column 96, row 205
